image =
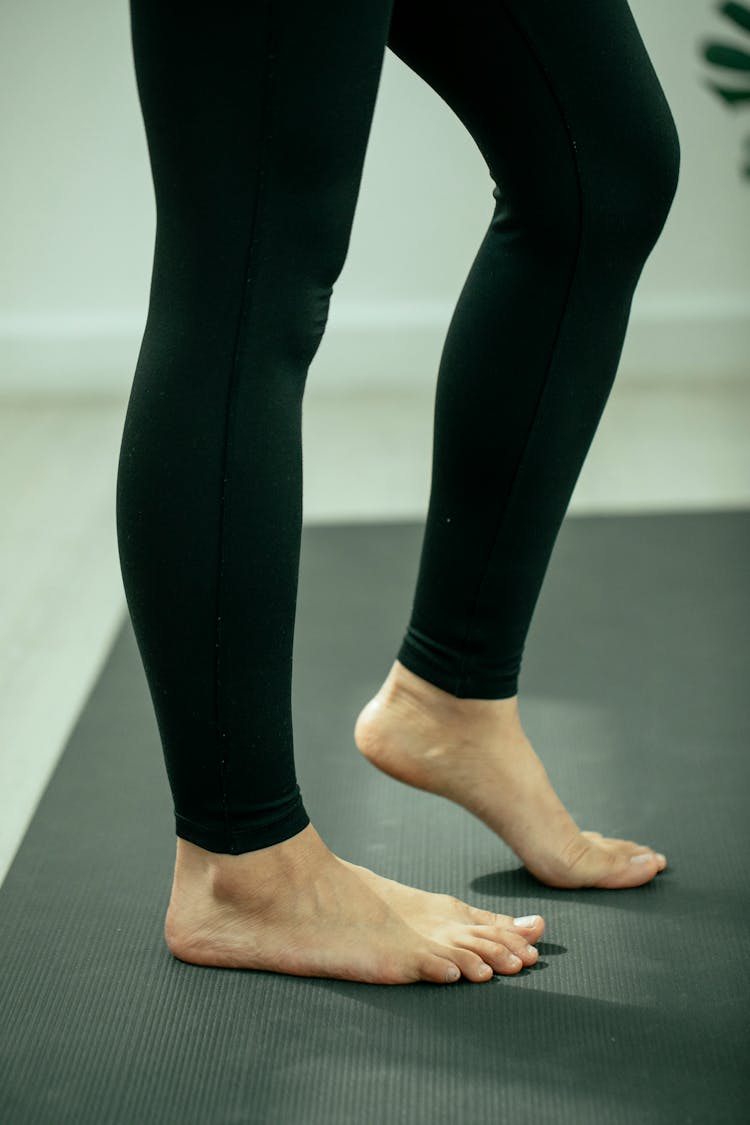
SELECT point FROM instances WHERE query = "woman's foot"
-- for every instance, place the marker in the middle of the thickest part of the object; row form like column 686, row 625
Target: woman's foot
column 428, row 912
column 475, row 752
column 297, row 908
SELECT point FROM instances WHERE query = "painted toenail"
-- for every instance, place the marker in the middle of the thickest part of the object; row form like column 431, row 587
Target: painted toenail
column 644, row 857
column 527, row 921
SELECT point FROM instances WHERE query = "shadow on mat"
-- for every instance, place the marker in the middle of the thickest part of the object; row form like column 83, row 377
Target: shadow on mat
column 519, row 883
column 552, row 1045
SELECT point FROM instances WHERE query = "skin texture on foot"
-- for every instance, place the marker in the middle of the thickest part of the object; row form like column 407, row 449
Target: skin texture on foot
column 432, row 914
column 476, row 753
column 297, row 908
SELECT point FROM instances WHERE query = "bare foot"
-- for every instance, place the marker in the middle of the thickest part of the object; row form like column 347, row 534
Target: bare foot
column 475, row 752
column 431, row 913
column 297, row 908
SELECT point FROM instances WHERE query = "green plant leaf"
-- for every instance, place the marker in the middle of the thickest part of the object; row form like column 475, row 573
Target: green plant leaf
column 733, row 58
column 736, row 12
column 730, row 95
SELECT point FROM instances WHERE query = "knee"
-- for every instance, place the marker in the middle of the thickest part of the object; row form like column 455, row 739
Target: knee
column 608, row 198
column 628, row 191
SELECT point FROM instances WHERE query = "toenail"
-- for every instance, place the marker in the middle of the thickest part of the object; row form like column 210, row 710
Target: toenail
column 527, row 921
column 532, row 949
column 514, row 961
column 453, row 973
column 485, row 969
column 643, row 857
column 663, row 858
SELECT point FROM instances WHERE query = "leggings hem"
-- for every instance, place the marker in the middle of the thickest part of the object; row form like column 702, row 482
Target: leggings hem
column 445, row 669
column 246, row 838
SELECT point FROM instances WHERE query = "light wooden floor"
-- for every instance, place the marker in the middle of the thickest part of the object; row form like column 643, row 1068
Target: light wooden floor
column 366, row 457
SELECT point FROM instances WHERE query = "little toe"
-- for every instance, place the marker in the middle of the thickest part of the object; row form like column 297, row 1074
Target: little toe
column 470, row 959
column 441, row 969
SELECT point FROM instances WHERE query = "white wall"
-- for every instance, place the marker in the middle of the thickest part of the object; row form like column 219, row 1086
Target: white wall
column 77, row 214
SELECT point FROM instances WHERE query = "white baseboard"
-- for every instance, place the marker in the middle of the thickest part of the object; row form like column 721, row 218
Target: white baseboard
column 376, row 345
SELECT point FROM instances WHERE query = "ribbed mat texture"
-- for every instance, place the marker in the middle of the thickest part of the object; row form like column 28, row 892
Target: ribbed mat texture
column 634, row 692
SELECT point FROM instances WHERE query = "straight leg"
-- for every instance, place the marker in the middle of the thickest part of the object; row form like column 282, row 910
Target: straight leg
column 257, row 117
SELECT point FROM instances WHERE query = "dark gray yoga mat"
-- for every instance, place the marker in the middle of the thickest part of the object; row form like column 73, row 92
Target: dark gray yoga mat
column 634, row 692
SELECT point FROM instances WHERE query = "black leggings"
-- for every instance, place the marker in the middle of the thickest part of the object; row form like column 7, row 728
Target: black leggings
column 257, row 116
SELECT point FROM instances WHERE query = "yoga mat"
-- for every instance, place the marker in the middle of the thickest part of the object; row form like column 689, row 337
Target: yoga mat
column 634, row 693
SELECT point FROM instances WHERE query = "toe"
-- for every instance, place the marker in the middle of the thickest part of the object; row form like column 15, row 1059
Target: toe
column 531, row 926
column 512, row 941
column 661, row 860
column 438, row 969
column 643, row 849
column 625, row 846
column 501, row 957
column 471, row 962
column 481, row 917
column 629, row 870
column 505, row 950
column 522, row 948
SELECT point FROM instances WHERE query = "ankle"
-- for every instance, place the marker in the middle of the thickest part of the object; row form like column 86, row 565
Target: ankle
column 255, row 873
column 403, row 688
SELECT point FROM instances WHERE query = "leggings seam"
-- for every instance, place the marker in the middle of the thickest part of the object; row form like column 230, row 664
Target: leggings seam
column 265, row 134
column 545, row 383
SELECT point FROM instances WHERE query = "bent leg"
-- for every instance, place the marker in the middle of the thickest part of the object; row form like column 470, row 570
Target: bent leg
column 564, row 105
column 579, row 141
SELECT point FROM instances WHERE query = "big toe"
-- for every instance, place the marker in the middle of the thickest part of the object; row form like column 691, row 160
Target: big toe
column 625, row 847
column 626, row 869
column 531, row 926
